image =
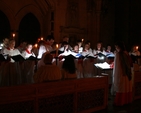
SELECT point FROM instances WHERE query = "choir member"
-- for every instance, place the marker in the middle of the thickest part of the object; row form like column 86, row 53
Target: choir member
column 98, row 48
column 122, row 83
column 11, row 50
column 22, row 46
column 47, row 72
column 76, row 48
column 88, row 61
column 68, row 68
column 11, row 71
column 28, row 66
column 65, row 39
column 46, row 46
column 79, row 42
column 135, row 51
column 28, row 52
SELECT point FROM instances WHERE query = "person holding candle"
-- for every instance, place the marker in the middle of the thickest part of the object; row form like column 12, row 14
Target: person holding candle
column 11, row 71
column 65, row 40
column 46, row 46
column 28, row 52
column 135, row 51
column 28, row 66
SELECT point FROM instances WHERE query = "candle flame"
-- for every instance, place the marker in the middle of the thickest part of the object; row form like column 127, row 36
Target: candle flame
column 56, row 45
column 13, row 35
column 42, row 38
column 36, row 45
column 82, row 39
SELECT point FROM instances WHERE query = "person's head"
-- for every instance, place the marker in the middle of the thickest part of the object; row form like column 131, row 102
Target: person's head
column 5, row 41
column 69, row 64
column 11, row 43
column 87, row 46
column 120, row 46
column 88, row 42
column 99, row 45
column 50, row 39
column 48, row 58
column 76, row 48
column 29, row 47
column 66, row 39
column 109, row 48
column 23, row 44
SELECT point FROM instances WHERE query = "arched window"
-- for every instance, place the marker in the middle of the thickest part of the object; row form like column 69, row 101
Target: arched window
column 29, row 29
column 4, row 26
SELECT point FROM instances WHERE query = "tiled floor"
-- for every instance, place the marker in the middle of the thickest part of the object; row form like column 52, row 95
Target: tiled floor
column 134, row 107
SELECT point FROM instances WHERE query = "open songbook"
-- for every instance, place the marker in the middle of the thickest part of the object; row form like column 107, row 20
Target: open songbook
column 78, row 55
column 18, row 58
column 104, row 65
column 31, row 58
column 110, row 55
column 2, row 57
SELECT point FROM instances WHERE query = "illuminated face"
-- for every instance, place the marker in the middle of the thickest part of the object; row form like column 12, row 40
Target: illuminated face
column 12, row 44
column 6, row 41
column 109, row 48
column 99, row 46
column 51, row 42
column 76, row 48
column 87, row 46
column 29, row 47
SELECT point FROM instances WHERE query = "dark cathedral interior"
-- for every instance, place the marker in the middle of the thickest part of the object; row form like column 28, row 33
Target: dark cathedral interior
column 93, row 21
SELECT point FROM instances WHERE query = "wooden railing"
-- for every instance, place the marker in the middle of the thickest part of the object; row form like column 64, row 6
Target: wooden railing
column 67, row 96
column 137, row 85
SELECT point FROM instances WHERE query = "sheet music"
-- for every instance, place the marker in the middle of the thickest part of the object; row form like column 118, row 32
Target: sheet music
column 104, row 65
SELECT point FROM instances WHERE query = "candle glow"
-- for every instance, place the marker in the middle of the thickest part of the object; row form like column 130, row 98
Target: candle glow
column 56, row 45
column 137, row 47
column 82, row 39
column 36, row 45
column 13, row 35
column 42, row 38
column 56, row 50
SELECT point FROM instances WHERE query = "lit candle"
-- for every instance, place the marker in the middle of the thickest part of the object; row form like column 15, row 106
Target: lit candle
column 36, row 45
column 137, row 47
column 42, row 38
column 13, row 35
column 56, row 50
column 82, row 39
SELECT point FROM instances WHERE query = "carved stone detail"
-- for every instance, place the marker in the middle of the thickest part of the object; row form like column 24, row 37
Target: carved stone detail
column 72, row 17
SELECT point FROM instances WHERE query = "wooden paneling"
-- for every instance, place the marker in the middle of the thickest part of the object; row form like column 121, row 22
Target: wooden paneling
column 66, row 96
